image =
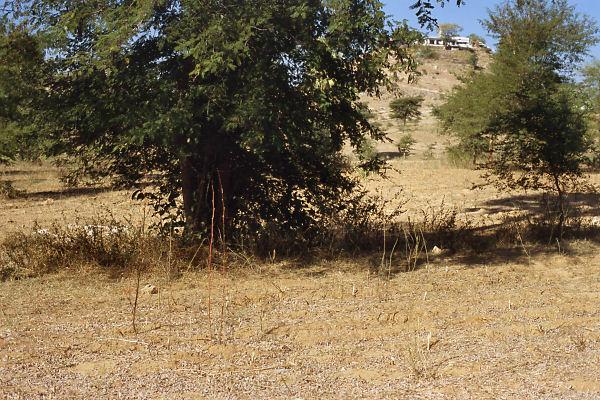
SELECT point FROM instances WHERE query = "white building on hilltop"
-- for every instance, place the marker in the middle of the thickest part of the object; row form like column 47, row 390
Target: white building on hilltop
column 459, row 42
column 455, row 42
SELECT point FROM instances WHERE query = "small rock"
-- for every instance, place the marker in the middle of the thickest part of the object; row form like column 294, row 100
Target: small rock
column 149, row 289
column 436, row 251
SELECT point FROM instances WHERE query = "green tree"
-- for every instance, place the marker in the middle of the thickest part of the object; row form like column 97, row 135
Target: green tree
column 589, row 88
column 476, row 40
column 238, row 111
column 406, row 108
column 591, row 76
column 523, row 110
column 405, row 145
column 21, row 59
column 449, row 30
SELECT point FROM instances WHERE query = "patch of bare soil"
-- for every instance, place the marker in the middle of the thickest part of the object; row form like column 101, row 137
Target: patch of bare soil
column 43, row 200
column 487, row 331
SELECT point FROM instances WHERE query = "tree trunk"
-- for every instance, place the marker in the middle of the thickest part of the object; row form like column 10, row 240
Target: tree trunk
column 190, row 184
column 561, row 207
column 207, row 190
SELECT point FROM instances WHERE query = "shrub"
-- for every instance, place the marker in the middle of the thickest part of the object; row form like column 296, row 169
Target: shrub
column 429, row 153
column 459, row 157
column 427, row 53
column 109, row 246
column 8, row 191
column 407, row 108
column 405, row 145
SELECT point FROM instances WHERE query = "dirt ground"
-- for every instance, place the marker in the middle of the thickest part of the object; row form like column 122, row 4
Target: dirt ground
column 501, row 329
column 43, row 200
column 488, row 326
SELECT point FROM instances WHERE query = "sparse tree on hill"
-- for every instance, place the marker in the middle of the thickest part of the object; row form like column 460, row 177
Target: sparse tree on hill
column 406, row 145
column 406, row 108
column 448, row 31
column 521, row 110
column 476, row 40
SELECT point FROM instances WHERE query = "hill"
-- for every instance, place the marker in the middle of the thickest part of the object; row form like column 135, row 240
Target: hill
column 440, row 71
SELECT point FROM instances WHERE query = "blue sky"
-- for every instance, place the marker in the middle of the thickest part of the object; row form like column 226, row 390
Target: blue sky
column 468, row 16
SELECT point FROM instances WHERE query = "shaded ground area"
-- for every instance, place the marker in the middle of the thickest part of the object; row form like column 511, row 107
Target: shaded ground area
column 584, row 203
column 509, row 331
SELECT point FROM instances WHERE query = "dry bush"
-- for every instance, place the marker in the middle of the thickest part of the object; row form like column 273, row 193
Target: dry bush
column 438, row 226
column 49, row 250
column 368, row 228
column 103, row 244
column 8, row 191
column 419, row 358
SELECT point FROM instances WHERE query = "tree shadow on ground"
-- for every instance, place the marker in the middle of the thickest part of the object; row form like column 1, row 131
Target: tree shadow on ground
column 588, row 204
column 65, row 193
column 521, row 238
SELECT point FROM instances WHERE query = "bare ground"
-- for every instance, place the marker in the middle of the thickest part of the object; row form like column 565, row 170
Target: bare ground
column 486, row 331
column 495, row 325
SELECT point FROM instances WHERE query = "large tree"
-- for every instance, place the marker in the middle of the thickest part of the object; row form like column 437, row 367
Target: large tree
column 21, row 58
column 236, row 110
column 590, row 85
column 522, row 110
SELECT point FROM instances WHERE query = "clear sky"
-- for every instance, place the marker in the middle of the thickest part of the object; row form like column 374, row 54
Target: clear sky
column 468, row 15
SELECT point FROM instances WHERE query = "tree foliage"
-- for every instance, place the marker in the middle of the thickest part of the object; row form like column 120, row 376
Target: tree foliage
column 424, row 10
column 476, row 39
column 21, row 59
column 406, row 108
column 522, row 111
column 236, row 111
column 449, row 30
column 406, row 145
column 591, row 88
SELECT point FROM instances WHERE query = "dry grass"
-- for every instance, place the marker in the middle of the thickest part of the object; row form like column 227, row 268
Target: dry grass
column 500, row 323
column 44, row 201
column 508, row 330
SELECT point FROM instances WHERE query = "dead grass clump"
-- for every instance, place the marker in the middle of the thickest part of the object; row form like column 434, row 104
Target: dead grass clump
column 439, row 231
column 443, row 227
column 108, row 246
column 419, row 357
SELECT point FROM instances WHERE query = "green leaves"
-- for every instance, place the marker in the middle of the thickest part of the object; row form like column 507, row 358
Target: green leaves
column 256, row 98
column 21, row 66
column 521, row 114
column 407, row 108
